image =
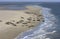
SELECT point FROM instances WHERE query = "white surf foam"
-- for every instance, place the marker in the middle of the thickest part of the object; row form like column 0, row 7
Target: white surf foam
column 42, row 30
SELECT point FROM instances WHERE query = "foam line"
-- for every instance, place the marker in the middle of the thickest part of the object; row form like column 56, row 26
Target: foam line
column 41, row 31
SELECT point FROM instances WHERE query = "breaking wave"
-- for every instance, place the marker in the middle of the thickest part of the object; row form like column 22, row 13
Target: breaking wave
column 42, row 30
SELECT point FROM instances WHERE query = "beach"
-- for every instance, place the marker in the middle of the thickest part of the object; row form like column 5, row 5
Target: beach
column 14, row 22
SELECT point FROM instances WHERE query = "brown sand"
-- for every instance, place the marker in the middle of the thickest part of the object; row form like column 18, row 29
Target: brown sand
column 13, row 22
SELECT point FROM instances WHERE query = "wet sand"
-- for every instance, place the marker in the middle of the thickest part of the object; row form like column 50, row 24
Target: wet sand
column 14, row 22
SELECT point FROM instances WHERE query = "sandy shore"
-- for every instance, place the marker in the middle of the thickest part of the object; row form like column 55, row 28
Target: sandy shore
column 13, row 22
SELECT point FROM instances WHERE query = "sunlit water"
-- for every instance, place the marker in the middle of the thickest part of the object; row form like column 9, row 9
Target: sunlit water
column 43, row 29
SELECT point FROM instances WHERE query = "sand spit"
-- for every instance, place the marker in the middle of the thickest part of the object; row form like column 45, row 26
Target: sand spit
column 14, row 22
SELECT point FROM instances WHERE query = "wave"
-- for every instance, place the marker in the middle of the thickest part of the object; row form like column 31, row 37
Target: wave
column 44, row 29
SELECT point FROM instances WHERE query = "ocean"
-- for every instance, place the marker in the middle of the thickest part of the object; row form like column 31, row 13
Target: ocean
column 56, row 11
column 54, row 6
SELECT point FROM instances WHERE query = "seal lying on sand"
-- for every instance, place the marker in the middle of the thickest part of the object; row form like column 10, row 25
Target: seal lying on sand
column 14, row 22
